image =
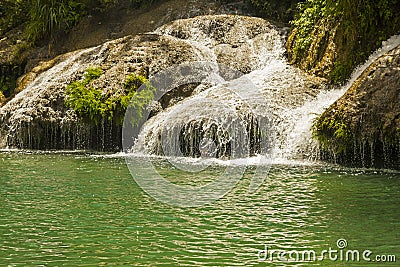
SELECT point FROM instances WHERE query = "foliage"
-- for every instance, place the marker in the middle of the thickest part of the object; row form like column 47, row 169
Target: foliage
column 280, row 10
column 49, row 16
column 306, row 19
column 12, row 13
column 85, row 99
column 333, row 133
column 133, row 82
column 46, row 18
column 362, row 26
column 92, row 104
column 137, row 100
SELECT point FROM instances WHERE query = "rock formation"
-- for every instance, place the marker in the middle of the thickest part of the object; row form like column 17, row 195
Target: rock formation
column 363, row 126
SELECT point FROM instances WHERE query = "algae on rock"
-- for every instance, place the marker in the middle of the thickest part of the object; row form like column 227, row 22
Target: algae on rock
column 329, row 38
column 362, row 127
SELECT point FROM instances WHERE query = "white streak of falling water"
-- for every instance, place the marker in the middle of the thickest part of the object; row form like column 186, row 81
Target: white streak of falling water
column 30, row 103
column 298, row 143
column 292, row 104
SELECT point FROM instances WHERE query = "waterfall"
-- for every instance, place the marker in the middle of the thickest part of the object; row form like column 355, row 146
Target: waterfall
column 241, row 43
column 290, row 100
column 256, row 109
column 299, row 142
column 245, row 99
column 28, row 105
column 37, row 117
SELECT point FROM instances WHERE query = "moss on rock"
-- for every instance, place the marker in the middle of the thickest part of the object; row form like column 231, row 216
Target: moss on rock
column 362, row 127
column 2, row 99
column 333, row 133
column 329, row 38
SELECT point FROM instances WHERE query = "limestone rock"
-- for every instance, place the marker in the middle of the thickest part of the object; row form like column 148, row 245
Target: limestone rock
column 363, row 126
column 37, row 117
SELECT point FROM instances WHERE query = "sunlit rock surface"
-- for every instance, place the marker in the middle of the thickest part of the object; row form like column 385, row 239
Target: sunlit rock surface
column 38, row 119
column 368, row 115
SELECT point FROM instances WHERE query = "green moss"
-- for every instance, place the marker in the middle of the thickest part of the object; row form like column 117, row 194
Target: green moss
column 333, row 133
column 93, row 105
column 341, row 71
column 304, row 23
column 355, row 27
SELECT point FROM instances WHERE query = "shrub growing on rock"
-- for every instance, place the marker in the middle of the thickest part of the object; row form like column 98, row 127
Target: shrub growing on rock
column 94, row 104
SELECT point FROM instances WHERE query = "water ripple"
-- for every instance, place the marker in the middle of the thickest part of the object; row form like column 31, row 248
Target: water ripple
column 53, row 212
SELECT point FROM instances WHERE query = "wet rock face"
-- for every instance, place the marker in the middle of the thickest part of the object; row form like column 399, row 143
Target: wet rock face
column 2, row 99
column 369, row 116
column 37, row 117
column 241, row 43
column 122, row 20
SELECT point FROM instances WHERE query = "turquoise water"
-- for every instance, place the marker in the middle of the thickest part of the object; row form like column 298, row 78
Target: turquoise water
column 76, row 209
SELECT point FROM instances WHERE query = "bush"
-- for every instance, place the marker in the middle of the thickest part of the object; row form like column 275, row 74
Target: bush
column 84, row 98
column 137, row 100
column 47, row 17
column 92, row 104
column 12, row 14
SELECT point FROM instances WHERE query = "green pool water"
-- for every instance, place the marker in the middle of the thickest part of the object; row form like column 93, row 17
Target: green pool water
column 76, row 209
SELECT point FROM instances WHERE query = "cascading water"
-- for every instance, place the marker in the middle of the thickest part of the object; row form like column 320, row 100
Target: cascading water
column 28, row 105
column 267, row 93
column 254, row 102
column 241, row 43
column 293, row 100
column 37, row 118
column 298, row 121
